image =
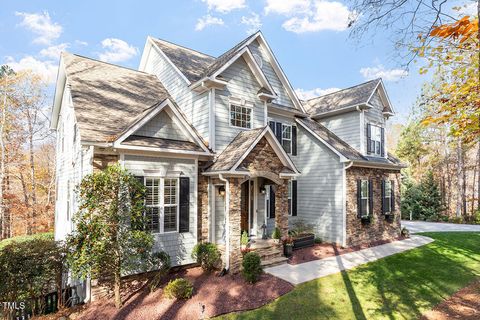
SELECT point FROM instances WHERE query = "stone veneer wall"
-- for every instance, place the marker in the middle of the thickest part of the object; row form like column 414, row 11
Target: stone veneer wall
column 202, row 217
column 379, row 229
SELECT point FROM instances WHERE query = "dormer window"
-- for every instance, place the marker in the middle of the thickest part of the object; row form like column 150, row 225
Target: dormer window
column 375, row 140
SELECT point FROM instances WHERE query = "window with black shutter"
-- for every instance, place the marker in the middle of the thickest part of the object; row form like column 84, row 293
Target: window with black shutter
column 387, row 196
column 286, row 134
column 184, row 204
column 364, row 198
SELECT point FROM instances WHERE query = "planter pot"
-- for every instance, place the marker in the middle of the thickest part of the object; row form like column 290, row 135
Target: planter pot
column 366, row 220
column 303, row 241
column 276, row 240
column 390, row 217
column 288, row 250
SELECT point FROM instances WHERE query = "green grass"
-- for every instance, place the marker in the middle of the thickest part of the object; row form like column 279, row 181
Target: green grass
column 402, row 286
column 45, row 235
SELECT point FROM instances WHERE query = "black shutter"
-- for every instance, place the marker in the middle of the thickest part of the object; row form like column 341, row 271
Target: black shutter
column 271, row 124
column 382, row 143
column 359, row 198
column 272, row 203
column 383, row 196
column 294, row 140
column 392, row 206
column 278, row 132
column 369, row 138
column 184, row 204
column 370, row 197
column 294, row 197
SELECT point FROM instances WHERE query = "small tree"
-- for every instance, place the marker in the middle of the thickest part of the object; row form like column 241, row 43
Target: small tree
column 109, row 238
column 431, row 197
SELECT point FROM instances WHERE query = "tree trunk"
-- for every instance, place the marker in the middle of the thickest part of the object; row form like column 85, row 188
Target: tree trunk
column 29, row 227
column 3, row 225
column 116, row 289
column 32, row 165
column 460, row 195
column 475, row 170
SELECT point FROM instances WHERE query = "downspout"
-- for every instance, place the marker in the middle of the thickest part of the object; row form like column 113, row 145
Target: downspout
column 227, row 218
column 344, row 203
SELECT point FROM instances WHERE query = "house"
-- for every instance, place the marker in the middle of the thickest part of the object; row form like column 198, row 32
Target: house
column 224, row 145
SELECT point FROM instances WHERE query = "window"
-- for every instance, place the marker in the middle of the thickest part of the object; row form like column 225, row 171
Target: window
column 388, row 197
column 161, row 204
column 287, row 138
column 364, row 198
column 376, row 140
column 240, row 117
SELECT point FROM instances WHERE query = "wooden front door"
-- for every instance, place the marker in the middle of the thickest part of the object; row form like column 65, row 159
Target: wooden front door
column 244, row 203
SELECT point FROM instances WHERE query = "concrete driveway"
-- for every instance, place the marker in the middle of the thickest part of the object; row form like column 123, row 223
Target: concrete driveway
column 421, row 226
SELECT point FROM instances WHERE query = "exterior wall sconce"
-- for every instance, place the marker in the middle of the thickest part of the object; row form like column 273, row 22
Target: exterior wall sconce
column 221, row 191
column 262, row 189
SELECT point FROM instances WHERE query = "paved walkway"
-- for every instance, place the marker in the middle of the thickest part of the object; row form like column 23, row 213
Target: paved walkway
column 307, row 271
column 421, row 226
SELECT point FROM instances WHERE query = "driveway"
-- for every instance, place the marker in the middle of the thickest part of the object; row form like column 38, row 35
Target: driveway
column 422, row 226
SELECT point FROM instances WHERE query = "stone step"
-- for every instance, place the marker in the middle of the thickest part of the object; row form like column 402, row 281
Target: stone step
column 273, row 262
column 270, row 255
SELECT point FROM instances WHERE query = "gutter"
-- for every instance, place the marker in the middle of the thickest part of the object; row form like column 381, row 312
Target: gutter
column 377, row 165
column 227, row 218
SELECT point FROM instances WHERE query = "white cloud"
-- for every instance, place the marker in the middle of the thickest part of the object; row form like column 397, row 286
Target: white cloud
column 46, row 69
column 224, row 6
column 379, row 71
column 469, row 9
column 54, row 51
column 41, row 25
column 117, row 50
column 311, row 15
column 207, row 21
column 313, row 93
column 287, row 7
column 253, row 22
column 81, row 43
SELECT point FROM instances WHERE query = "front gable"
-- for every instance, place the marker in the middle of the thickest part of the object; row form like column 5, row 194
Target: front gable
column 164, row 126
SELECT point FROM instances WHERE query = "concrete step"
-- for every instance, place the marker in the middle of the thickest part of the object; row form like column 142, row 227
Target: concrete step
column 273, row 262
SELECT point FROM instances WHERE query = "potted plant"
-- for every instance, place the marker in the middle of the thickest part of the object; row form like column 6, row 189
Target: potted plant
column 366, row 219
column 287, row 246
column 390, row 217
column 244, row 240
column 276, row 235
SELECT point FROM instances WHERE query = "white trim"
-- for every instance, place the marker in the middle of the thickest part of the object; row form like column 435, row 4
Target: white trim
column 377, row 165
column 166, row 150
column 380, row 84
column 363, row 137
column 147, row 48
column 211, row 120
column 342, row 157
column 341, row 110
column 227, row 222
column 149, row 38
column 58, row 96
column 227, row 173
column 265, row 113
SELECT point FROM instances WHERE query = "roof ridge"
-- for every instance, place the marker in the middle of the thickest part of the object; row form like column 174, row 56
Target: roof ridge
column 104, row 62
column 348, row 88
column 184, row 47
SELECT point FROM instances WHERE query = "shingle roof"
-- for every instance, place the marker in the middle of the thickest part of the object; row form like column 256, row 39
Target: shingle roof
column 108, row 99
column 348, row 97
column 191, row 63
column 344, row 148
column 196, row 65
column 141, row 141
column 235, row 150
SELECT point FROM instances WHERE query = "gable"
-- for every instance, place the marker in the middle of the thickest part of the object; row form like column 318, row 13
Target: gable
column 271, row 75
column 377, row 102
column 241, row 80
column 162, row 126
column 255, row 160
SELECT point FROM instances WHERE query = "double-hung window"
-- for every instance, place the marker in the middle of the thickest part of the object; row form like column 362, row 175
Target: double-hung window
column 240, row 116
column 287, row 138
column 387, row 201
column 161, row 204
column 364, row 198
column 375, row 140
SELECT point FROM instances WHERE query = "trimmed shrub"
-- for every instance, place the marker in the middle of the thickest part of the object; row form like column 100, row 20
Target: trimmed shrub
column 252, row 268
column 207, row 255
column 163, row 264
column 318, row 240
column 405, row 232
column 276, row 234
column 179, row 289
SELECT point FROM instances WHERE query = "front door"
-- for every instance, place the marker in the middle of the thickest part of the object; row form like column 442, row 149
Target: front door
column 244, row 206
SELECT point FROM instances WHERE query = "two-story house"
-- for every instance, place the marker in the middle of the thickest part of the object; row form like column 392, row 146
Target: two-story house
column 223, row 145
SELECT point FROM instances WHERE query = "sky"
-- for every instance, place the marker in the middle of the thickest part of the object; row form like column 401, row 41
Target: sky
column 309, row 38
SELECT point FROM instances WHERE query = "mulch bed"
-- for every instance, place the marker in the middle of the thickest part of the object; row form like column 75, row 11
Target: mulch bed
column 465, row 305
column 218, row 295
column 325, row 250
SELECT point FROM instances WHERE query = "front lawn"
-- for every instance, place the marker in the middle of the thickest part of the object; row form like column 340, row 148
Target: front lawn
column 402, row 286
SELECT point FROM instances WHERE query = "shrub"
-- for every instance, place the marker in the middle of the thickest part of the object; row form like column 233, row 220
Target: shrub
column 300, row 228
column 405, row 232
column 162, row 263
column 179, row 289
column 476, row 217
column 207, row 255
column 276, row 234
column 457, row 220
column 318, row 240
column 244, row 239
column 252, row 267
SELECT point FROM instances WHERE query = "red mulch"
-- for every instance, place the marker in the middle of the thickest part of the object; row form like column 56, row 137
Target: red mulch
column 465, row 305
column 324, row 250
column 219, row 295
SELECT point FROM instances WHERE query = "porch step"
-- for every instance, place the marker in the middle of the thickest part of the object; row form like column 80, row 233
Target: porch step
column 273, row 262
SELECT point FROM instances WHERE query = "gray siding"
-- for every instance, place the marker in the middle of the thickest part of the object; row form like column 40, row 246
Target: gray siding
column 346, row 126
column 178, row 245
column 162, row 126
column 219, row 218
column 283, row 97
column 320, row 188
column 193, row 105
column 243, row 85
column 375, row 114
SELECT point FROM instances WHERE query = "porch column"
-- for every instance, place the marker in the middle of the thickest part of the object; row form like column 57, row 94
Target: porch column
column 203, row 225
column 281, row 207
column 234, row 223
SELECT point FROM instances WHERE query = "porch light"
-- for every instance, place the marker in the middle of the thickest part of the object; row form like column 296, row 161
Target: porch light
column 262, row 189
column 221, row 191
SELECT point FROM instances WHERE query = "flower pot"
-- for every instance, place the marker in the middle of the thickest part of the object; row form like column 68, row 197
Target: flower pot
column 303, row 241
column 390, row 217
column 366, row 220
column 288, row 250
